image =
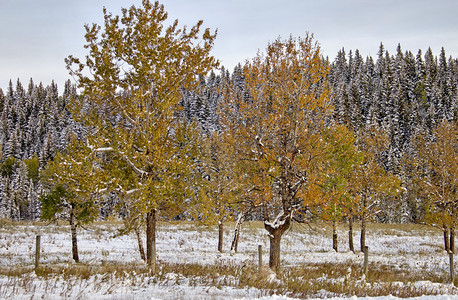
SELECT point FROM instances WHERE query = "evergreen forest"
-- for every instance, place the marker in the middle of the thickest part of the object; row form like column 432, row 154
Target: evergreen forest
column 405, row 94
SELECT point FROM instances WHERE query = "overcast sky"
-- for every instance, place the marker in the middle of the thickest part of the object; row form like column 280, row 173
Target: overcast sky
column 36, row 36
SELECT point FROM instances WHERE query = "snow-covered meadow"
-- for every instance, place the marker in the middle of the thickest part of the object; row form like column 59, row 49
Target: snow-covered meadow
column 403, row 249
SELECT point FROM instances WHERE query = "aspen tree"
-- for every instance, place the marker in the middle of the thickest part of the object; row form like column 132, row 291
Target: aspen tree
column 371, row 181
column 73, row 189
column 216, row 192
column 342, row 157
column 276, row 128
column 437, row 172
column 131, row 83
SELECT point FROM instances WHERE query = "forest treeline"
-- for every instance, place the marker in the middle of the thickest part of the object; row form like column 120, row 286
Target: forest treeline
column 35, row 124
column 158, row 129
column 405, row 94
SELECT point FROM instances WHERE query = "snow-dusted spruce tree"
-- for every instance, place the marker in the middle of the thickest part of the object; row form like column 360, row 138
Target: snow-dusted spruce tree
column 276, row 130
column 7, row 169
column 20, row 187
column 131, row 82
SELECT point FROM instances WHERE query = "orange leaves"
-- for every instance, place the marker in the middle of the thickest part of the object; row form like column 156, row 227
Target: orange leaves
column 370, row 180
column 276, row 120
column 437, row 168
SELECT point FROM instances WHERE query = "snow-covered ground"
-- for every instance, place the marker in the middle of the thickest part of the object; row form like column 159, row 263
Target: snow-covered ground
column 402, row 247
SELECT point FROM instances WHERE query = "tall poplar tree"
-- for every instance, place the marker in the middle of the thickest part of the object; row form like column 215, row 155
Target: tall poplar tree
column 131, row 82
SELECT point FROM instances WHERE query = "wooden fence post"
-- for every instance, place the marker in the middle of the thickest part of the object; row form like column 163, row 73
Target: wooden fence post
column 37, row 252
column 366, row 259
column 452, row 268
column 260, row 258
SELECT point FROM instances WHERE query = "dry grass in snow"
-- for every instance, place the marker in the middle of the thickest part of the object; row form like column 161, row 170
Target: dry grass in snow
column 404, row 261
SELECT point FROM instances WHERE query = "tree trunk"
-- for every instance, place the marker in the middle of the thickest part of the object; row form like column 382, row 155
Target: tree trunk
column 276, row 231
column 238, row 227
column 236, row 239
column 350, row 234
column 446, row 238
column 274, row 254
column 363, row 224
column 151, row 238
column 220, row 236
column 334, row 236
column 363, row 233
column 452, row 239
column 140, row 243
column 74, row 238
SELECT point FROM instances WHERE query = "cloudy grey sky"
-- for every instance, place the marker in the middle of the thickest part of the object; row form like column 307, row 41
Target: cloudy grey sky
column 36, row 36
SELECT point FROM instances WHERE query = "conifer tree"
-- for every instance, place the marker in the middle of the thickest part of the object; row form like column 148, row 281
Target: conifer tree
column 21, row 187
column 2, row 100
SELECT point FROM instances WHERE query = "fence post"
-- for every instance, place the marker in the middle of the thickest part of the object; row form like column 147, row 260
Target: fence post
column 260, row 257
column 37, row 252
column 452, row 268
column 366, row 259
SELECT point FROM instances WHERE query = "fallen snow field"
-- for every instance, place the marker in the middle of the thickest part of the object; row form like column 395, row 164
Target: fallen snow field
column 411, row 247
